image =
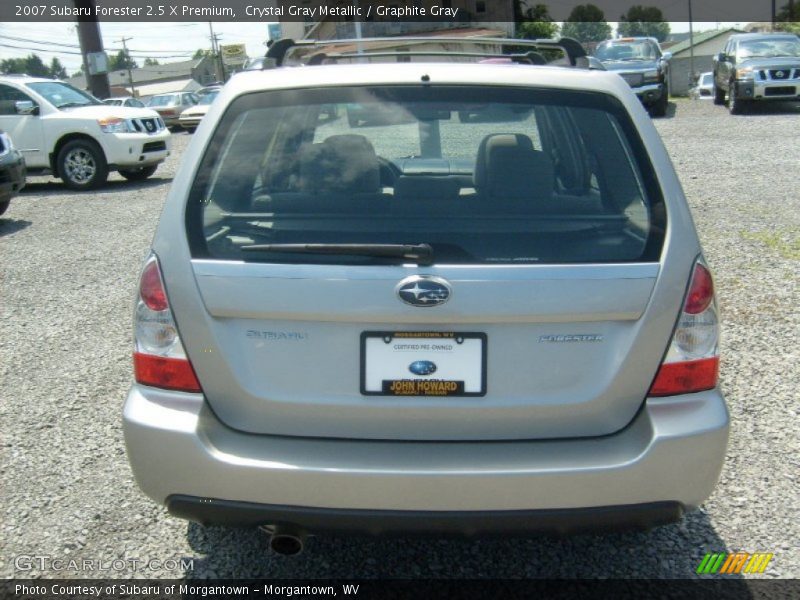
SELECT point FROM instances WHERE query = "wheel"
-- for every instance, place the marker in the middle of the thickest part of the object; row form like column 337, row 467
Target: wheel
column 82, row 165
column 736, row 105
column 190, row 129
column 719, row 95
column 138, row 174
column 4, row 206
column 659, row 109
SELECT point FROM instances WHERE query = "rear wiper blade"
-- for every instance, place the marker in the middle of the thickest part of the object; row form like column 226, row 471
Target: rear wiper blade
column 417, row 252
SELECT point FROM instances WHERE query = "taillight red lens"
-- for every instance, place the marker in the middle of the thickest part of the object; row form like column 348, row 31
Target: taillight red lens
column 151, row 289
column 701, row 291
column 685, row 377
column 163, row 372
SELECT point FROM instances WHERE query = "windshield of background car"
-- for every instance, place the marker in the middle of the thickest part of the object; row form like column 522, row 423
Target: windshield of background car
column 208, row 97
column 636, row 50
column 707, row 79
column 62, row 95
column 768, row 48
column 482, row 174
column 163, row 100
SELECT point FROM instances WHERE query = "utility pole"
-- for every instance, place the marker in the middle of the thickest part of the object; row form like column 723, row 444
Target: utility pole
column 691, row 47
column 219, row 67
column 128, row 65
column 91, row 42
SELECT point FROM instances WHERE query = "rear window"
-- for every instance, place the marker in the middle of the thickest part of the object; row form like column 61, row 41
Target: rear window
column 163, row 100
column 483, row 175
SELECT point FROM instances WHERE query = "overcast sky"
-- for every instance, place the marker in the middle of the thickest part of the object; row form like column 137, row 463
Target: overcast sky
column 168, row 42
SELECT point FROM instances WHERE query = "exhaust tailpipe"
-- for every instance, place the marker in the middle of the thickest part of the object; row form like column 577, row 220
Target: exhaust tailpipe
column 287, row 542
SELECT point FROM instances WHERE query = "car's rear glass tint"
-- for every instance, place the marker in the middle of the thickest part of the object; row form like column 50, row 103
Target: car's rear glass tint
column 481, row 174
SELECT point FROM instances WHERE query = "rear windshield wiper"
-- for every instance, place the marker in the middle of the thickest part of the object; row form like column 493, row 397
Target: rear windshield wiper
column 422, row 253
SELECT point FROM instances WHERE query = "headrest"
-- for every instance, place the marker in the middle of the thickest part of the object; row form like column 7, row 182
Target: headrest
column 508, row 166
column 342, row 163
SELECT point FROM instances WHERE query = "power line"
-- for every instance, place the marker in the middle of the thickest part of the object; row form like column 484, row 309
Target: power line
column 135, row 55
column 46, row 43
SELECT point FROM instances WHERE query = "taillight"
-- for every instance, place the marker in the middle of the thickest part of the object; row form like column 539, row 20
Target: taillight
column 159, row 359
column 692, row 361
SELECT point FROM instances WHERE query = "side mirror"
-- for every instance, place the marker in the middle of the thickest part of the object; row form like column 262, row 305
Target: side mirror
column 722, row 57
column 666, row 56
column 26, row 107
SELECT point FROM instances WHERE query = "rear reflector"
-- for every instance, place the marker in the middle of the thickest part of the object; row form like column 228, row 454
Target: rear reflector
column 164, row 372
column 686, row 377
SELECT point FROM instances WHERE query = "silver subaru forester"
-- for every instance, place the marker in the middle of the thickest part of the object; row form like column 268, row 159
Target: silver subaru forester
column 480, row 306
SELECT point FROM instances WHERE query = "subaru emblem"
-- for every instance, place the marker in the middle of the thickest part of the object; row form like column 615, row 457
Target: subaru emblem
column 422, row 367
column 424, row 290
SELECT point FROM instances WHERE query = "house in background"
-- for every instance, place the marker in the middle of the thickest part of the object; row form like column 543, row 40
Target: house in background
column 707, row 44
column 183, row 76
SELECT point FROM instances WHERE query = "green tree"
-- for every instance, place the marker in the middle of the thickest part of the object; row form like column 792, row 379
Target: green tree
column 201, row 53
column 644, row 21
column 31, row 65
column 586, row 23
column 789, row 22
column 57, row 70
column 535, row 22
column 121, row 62
column 150, row 62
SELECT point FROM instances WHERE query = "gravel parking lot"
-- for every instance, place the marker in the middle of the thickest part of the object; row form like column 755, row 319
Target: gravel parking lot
column 68, row 268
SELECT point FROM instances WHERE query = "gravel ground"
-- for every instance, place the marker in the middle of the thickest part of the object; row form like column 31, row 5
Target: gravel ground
column 69, row 264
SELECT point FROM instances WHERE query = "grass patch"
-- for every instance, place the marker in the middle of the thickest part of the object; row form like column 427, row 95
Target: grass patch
column 786, row 243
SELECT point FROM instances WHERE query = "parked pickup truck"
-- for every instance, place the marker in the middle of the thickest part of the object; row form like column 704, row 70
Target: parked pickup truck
column 67, row 132
column 756, row 67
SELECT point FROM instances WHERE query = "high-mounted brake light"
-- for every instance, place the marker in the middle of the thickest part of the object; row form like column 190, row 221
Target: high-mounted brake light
column 159, row 359
column 692, row 361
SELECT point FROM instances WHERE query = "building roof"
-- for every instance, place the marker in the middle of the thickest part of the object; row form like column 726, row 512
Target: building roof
column 700, row 38
column 400, row 41
column 148, row 74
column 167, row 87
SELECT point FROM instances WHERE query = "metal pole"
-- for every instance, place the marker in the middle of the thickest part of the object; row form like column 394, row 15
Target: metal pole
column 128, row 65
column 214, row 53
column 691, row 46
column 90, row 41
column 357, row 21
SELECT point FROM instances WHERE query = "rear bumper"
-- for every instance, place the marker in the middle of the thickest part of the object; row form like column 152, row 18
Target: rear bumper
column 12, row 175
column 385, row 522
column 672, row 452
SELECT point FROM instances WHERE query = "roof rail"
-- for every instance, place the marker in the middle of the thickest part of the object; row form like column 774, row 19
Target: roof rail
column 572, row 48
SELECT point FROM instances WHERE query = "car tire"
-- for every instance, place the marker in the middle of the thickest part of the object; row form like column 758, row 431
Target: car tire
column 138, row 174
column 4, row 206
column 659, row 109
column 736, row 105
column 719, row 95
column 82, row 165
column 190, row 129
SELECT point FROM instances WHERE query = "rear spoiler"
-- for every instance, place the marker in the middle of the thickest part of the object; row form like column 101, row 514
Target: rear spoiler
column 572, row 49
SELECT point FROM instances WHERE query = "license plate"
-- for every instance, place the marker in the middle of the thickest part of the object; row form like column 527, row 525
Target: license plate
column 423, row 363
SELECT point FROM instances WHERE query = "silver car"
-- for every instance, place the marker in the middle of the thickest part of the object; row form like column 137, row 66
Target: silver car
column 428, row 323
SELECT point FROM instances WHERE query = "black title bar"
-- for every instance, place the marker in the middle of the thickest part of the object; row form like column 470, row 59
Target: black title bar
column 459, row 11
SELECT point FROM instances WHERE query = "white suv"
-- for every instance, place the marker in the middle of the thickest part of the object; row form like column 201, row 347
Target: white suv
column 67, row 132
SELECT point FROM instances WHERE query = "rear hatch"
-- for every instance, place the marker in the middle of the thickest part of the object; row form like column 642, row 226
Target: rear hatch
column 350, row 291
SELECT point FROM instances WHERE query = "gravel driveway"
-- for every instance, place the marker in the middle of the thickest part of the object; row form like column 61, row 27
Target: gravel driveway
column 67, row 275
